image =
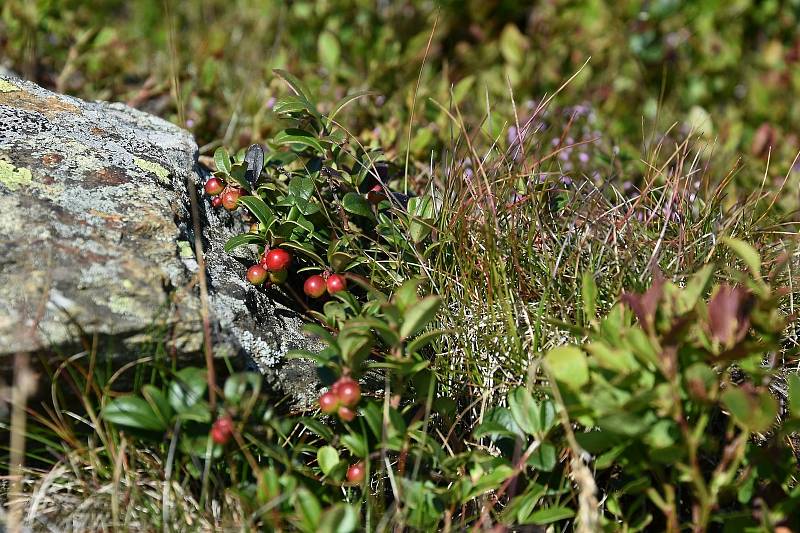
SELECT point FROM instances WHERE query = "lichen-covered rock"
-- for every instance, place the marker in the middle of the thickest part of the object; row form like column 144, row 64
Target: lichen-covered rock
column 96, row 240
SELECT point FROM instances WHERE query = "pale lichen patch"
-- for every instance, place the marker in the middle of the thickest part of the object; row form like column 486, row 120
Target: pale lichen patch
column 14, row 178
column 7, row 87
column 185, row 250
column 155, row 168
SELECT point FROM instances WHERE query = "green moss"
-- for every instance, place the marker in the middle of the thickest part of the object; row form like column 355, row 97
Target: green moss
column 155, row 168
column 14, row 178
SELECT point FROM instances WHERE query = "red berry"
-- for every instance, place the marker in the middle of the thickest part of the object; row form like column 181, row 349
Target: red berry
column 336, row 283
column 356, row 472
column 278, row 277
column 346, row 414
column 222, row 429
column 256, row 275
column 348, row 391
column 277, row 259
column 214, row 186
column 329, row 402
column 216, row 201
column 230, row 198
column 314, row 286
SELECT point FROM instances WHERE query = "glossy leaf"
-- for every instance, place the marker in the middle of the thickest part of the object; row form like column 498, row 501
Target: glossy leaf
column 222, row 160
column 243, row 239
column 134, row 412
column 327, row 458
column 356, row 204
column 419, row 315
column 259, row 208
column 187, row 388
column 568, row 365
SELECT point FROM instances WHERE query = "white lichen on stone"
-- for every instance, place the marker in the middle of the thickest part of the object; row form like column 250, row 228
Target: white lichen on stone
column 155, row 168
column 14, row 178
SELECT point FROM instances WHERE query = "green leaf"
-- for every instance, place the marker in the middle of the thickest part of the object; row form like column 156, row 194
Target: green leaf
column 158, row 403
column 425, row 339
column 329, row 50
column 357, row 204
column 305, row 249
column 794, row 395
column 317, row 427
column 499, row 422
column 418, row 315
column 310, row 509
column 568, row 365
column 531, row 416
column 747, row 253
column 420, row 222
column 296, row 85
column 187, row 388
column 301, row 187
column 237, row 385
column 522, row 405
column 238, row 172
column 259, row 208
column 198, row 412
column 222, row 160
column 243, row 239
column 754, row 411
column 291, row 104
column 544, row 457
column 341, row 518
column 550, row 515
column 406, row 295
column 300, row 138
column 134, row 412
column 589, row 296
column 356, row 444
column 327, row 458
column 339, row 261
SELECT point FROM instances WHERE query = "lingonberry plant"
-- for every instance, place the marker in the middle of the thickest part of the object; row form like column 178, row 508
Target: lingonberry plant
column 323, row 211
column 661, row 419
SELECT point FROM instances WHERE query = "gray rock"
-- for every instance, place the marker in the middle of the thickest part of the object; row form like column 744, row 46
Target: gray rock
column 96, row 239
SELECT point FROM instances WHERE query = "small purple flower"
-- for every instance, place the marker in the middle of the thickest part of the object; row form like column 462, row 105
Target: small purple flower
column 271, row 102
column 583, row 157
column 512, row 134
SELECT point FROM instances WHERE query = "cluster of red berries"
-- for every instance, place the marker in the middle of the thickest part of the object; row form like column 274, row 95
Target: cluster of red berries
column 274, row 264
column 341, row 399
column 222, row 195
column 222, row 430
column 319, row 284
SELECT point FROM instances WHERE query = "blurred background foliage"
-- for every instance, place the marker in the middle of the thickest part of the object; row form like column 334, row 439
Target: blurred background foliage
column 732, row 66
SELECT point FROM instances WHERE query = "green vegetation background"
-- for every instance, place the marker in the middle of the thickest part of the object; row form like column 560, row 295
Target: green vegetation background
column 731, row 65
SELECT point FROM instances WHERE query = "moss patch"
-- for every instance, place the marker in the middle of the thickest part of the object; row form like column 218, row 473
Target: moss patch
column 14, row 178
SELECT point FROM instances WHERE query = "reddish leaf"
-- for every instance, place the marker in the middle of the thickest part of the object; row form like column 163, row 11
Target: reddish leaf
column 729, row 314
column 644, row 305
